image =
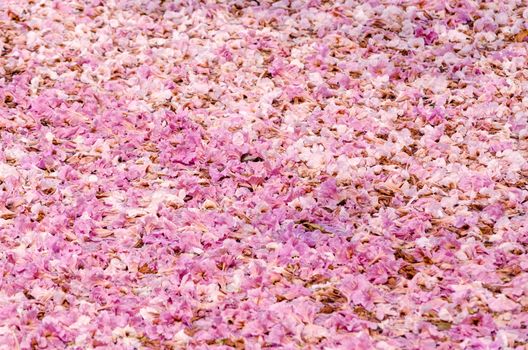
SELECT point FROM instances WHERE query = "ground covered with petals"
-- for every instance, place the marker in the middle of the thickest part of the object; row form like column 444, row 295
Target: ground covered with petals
column 256, row 174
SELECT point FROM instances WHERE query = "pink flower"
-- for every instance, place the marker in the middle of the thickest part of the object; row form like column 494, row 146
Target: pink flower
column 494, row 211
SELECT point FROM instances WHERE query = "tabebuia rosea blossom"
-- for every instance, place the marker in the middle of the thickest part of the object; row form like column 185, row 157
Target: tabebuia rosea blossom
column 287, row 174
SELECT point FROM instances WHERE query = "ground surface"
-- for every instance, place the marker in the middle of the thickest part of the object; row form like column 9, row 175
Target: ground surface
column 318, row 174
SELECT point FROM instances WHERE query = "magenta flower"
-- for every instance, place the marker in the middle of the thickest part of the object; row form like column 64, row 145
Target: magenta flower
column 263, row 174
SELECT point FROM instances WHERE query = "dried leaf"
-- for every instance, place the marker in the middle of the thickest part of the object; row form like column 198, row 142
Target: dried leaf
column 521, row 36
column 408, row 271
column 146, row 269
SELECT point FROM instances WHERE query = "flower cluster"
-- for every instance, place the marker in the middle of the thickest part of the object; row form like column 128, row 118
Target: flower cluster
column 263, row 174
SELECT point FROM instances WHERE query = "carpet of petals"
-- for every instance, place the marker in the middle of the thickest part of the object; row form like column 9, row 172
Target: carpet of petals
column 300, row 174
